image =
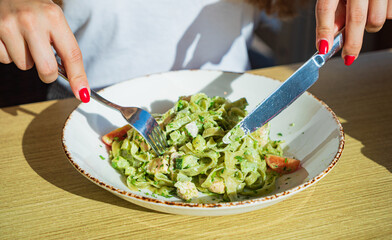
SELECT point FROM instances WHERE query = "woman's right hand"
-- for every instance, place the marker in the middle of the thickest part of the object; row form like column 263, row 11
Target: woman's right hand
column 29, row 29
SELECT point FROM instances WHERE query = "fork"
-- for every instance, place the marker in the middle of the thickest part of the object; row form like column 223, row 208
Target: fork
column 139, row 119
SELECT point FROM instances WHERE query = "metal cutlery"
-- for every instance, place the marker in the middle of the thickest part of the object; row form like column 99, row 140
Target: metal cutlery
column 141, row 120
column 286, row 94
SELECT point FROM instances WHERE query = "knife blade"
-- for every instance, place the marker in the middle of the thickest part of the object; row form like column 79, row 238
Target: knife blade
column 286, row 94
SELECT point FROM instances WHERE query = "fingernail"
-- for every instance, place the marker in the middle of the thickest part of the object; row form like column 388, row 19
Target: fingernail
column 84, row 95
column 349, row 59
column 323, row 46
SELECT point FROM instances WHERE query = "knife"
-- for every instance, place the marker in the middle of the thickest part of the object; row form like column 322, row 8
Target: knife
column 285, row 95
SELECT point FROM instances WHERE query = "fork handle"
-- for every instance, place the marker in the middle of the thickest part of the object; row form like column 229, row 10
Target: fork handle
column 94, row 95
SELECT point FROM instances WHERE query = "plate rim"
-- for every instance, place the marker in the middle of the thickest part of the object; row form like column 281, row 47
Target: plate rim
column 218, row 205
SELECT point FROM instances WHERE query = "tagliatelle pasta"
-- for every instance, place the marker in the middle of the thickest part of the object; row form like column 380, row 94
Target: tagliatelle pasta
column 197, row 159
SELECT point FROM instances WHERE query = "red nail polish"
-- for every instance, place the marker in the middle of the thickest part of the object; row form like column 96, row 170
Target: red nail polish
column 349, row 59
column 84, row 95
column 323, row 46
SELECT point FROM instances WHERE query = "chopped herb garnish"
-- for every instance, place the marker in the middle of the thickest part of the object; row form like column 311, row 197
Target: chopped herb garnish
column 291, row 124
column 133, row 182
column 280, row 134
column 114, row 164
column 213, row 177
column 102, row 157
column 239, row 158
column 179, row 163
column 201, row 118
column 165, row 195
column 285, row 160
column 180, row 105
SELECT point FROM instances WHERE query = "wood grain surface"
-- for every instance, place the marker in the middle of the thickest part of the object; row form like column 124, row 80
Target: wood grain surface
column 43, row 197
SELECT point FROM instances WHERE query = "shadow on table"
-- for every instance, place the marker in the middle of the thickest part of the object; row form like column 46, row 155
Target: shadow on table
column 364, row 103
column 45, row 155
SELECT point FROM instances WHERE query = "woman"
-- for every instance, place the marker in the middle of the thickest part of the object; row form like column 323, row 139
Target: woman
column 123, row 39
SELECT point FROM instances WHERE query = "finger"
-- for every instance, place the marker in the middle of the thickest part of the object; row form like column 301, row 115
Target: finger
column 340, row 17
column 389, row 9
column 325, row 22
column 71, row 57
column 43, row 56
column 377, row 15
column 17, row 50
column 4, row 56
column 356, row 16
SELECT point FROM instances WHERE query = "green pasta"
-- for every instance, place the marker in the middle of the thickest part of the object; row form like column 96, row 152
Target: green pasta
column 197, row 159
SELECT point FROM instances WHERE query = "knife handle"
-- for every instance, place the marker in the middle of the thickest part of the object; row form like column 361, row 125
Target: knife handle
column 336, row 46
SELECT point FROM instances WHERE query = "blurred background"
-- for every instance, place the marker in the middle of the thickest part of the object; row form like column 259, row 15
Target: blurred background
column 276, row 42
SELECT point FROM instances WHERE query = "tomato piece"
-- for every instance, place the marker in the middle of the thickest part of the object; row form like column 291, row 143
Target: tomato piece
column 282, row 165
column 118, row 134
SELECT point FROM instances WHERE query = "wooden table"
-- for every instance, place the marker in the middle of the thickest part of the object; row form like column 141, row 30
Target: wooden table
column 42, row 196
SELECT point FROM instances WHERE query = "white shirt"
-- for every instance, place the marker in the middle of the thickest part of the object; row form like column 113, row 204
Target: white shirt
column 123, row 39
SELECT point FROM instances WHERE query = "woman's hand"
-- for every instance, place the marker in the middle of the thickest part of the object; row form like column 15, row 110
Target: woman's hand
column 29, row 29
column 355, row 16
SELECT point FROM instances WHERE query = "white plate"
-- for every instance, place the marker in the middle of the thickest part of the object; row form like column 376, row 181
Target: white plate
column 311, row 131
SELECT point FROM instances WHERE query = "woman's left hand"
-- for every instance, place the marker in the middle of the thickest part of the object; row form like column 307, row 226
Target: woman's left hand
column 355, row 16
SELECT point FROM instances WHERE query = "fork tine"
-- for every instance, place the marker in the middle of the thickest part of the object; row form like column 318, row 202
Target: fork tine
column 158, row 139
column 152, row 143
column 163, row 137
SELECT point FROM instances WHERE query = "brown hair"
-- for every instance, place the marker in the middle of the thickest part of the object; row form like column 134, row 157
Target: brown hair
column 280, row 8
